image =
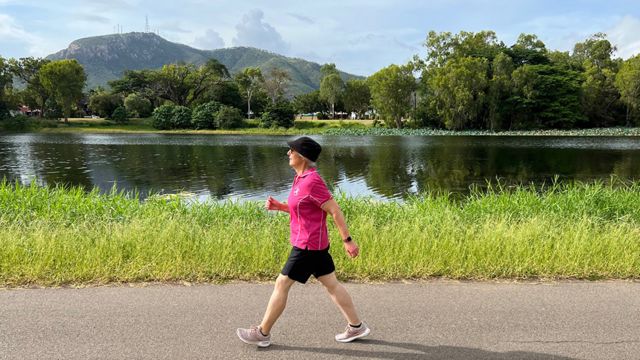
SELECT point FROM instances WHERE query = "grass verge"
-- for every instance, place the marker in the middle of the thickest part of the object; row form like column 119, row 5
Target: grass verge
column 311, row 127
column 57, row 236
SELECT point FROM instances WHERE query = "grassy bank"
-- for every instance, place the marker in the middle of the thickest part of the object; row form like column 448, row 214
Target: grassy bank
column 53, row 236
column 251, row 127
column 312, row 127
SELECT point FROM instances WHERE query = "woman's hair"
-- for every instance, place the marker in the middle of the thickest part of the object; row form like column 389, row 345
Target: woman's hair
column 310, row 163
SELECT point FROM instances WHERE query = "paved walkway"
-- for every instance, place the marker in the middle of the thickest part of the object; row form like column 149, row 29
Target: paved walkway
column 424, row 320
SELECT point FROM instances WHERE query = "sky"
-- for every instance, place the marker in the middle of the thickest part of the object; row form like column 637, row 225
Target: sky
column 359, row 36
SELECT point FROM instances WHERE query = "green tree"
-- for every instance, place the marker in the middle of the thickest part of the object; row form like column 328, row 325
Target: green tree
column 357, row 97
column 162, row 117
column 228, row 93
column 564, row 60
column 499, row 91
column 186, row 84
column 204, row 115
column 278, row 114
column 599, row 97
column 597, row 49
column 6, row 80
column 104, row 103
column 138, row 105
column 459, row 91
column 546, row 96
column 276, row 83
column 250, row 81
column 309, row 103
column 528, row 49
column 120, row 115
column 439, row 46
column 391, row 90
column 328, row 69
column 331, row 89
column 628, row 83
column 140, row 82
column 599, row 93
column 444, row 46
column 228, row 117
column 132, row 81
column 173, row 82
column 482, row 44
column 64, row 80
column 27, row 70
column 181, row 117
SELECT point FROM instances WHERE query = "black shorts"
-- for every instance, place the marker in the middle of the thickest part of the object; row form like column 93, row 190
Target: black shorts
column 301, row 264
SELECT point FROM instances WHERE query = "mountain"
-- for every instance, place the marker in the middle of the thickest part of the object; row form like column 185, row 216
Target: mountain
column 106, row 57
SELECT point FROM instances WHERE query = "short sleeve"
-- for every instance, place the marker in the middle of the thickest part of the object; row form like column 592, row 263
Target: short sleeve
column 319, row 192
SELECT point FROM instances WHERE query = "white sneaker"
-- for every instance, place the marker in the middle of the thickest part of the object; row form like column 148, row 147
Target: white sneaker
column 253, row 336
column 351, row 333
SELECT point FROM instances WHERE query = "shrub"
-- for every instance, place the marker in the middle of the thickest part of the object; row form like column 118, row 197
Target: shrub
column 137, row 105
column 17, row 123
column 204, row 116
column 120, row 115
column 162, row 117
column 104, row 104
column 229, row 117
column 4, row 111
column 278, row 114
column 181, row 118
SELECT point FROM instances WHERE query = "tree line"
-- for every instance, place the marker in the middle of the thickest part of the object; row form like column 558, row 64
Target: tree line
column 469, row 80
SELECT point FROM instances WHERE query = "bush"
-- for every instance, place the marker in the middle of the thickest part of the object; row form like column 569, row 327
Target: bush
column 120, row 115
column 104, row 104
column 229, row 117
column 137, row 105
column 278, row 114
column 17, row 123
column 162, row 117
column 4, row 111
column 181, row 118
column 204, row 116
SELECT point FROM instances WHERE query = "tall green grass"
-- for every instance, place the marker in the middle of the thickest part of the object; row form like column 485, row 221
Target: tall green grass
column 55, row 235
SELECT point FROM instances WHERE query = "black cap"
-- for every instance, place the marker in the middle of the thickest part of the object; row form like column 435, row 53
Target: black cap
column 306, row 147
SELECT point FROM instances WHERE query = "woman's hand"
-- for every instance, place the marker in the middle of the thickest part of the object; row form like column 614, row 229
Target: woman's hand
column 273, row 204
column 352, row 248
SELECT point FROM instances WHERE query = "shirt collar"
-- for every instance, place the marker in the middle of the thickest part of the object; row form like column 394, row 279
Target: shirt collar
column 305, row 173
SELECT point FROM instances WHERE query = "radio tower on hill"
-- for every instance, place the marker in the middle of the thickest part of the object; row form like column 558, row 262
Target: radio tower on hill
column 146, row 24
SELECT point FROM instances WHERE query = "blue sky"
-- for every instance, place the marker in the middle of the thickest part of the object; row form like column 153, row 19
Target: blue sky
column 360, row 36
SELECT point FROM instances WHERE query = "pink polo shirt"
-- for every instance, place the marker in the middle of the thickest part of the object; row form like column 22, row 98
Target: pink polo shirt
column 307, row 220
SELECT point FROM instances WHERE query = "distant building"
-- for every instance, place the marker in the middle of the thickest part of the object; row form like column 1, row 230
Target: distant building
column 25, row 110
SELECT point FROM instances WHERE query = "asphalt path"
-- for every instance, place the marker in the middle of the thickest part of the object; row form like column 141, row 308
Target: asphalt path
column 418, row 320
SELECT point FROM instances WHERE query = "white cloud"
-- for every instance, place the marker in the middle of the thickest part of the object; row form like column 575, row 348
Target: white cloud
column 301, row 18
column 91, row 18
column 173, row 27
column 385, row 49
column 10, row 32
column 626, row 36
column 254, row 31
column 209, row 41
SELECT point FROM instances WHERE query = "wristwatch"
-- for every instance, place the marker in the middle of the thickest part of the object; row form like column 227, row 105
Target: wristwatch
column 348, row 239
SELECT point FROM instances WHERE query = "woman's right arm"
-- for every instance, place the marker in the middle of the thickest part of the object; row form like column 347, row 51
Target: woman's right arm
column 273, row 204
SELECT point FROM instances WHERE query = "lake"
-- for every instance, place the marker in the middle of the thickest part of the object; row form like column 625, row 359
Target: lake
column 243, row 167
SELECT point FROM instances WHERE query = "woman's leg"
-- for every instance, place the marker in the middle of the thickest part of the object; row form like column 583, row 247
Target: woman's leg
column 340, row 297
column 277, row 303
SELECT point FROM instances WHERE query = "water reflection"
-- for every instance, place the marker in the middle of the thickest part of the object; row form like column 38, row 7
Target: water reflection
column 250, row 167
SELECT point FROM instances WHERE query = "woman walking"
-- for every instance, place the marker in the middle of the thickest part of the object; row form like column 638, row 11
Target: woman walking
column 308, row 204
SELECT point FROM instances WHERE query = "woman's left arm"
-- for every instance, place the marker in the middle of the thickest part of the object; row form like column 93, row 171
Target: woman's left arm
column 332, row 208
